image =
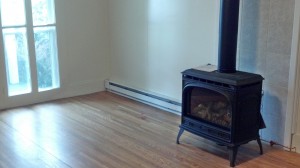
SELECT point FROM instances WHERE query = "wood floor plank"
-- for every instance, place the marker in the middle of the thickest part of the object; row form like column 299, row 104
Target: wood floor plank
column 18, row 151
column 109, row 131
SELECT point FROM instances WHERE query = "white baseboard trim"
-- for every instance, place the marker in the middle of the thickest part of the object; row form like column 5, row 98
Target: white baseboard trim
column 151, row 99
column 296, row 142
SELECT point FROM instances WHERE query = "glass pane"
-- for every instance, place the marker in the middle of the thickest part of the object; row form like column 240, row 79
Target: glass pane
column 13, row 13
column 211, row 106
column 46, row 58
column 17, row 61
column 43, row 12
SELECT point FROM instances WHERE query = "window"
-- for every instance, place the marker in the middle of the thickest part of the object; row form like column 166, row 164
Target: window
column 45, row 43
column 29, row 26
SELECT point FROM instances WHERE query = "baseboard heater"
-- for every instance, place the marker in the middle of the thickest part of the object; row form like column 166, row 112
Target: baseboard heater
column 144, row 97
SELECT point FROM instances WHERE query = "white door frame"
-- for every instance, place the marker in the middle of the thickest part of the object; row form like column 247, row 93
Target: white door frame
column 294, row 83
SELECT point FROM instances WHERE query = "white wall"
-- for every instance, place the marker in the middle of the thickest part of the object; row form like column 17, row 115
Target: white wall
column 153, row 41
column 84, row 47
column 82, row 32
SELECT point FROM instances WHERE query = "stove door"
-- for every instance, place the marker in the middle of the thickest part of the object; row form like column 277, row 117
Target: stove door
column 208, row 105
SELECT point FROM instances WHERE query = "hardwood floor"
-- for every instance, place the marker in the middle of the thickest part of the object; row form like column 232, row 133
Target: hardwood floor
column 108, row 131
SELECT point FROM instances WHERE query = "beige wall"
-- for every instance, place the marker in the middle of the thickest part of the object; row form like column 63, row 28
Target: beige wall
column 153, row 41
column 83, row 28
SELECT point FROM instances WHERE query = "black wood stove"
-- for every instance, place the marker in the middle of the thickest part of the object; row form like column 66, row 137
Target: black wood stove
column 223, row 105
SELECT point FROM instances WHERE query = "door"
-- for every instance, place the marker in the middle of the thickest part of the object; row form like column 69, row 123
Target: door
column 29, row 56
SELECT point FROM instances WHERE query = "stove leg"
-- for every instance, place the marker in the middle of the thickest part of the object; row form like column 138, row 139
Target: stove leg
column 179, row 134
column 260, row 145
column 232, row 155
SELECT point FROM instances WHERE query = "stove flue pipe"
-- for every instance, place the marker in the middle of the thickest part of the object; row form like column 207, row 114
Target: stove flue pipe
column 229, row 18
